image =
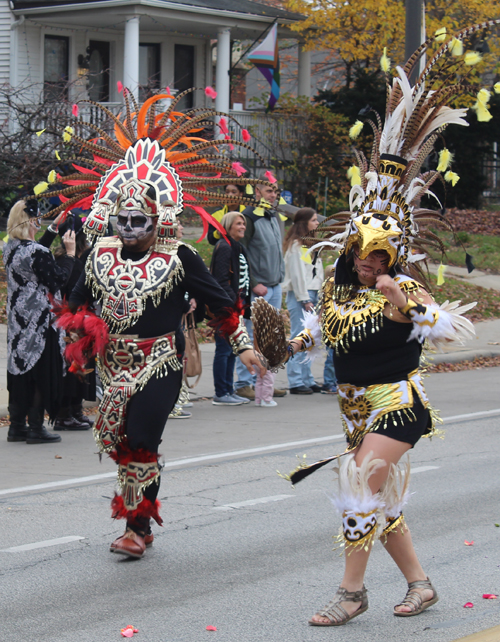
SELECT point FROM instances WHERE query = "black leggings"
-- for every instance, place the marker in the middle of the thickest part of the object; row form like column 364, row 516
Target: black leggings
column 147, row 414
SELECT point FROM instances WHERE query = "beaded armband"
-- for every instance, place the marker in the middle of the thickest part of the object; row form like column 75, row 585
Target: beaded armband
column 422, row 315
column 306, row 340
column 239, row 340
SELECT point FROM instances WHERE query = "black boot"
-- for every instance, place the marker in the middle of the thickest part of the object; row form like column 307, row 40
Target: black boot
column 18, row 429
column 37, row 433
column 77, row 413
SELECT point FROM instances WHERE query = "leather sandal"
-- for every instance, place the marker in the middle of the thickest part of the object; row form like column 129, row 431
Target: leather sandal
column 414, row 600
column 336, row 613
column 130, row 543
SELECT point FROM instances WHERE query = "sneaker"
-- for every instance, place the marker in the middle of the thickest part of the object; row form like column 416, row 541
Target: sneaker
column 189, row 404
column 328, row 390
column 179, row 413
column 247, row 392
column 240, row 399
column 226, row 400
column 301, row 390
column 268, row 404
column 278, row 392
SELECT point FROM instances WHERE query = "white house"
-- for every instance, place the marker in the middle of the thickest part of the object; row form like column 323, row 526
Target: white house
column 142, row 43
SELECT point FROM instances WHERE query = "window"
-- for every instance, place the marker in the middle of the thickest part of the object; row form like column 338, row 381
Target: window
column 98, row 78
column 184, row 72
column 149, row 70
column 55, row 67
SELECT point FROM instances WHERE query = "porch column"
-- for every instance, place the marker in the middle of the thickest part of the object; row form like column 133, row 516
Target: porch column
column 223, row 67
column 131, row 56
column 304, row 88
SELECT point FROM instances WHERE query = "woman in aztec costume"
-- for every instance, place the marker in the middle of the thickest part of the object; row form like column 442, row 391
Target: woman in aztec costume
column 155, row 164
column 376, row 314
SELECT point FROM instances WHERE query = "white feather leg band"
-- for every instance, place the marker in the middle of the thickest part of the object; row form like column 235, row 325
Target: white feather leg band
column 310, row 321
column 449, row 328
column 363, row 518
column 395, row 491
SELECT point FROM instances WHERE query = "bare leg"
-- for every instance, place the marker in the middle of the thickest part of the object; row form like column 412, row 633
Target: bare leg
column 390, row 451
column 399, row 545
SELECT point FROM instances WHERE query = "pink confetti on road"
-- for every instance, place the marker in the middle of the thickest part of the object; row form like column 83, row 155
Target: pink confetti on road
column 468, row 605
column 211, row 628
column 129, row 631
column 469, row 543
column 490, row 596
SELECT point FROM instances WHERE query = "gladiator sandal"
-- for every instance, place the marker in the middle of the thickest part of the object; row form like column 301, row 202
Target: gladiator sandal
column 414, row 600
column 336, row 613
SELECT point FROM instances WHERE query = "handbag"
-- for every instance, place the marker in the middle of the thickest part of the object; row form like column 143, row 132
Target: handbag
column 192, row 354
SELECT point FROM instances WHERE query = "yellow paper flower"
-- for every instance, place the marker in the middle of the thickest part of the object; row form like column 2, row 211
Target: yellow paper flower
column 68, row 133
column 482, row 113
column 456, row 47
column 445, row 160
column 452, row 178
column 57, row 155
column 354, row 174
column 483, row 96
column 39, row 133
column 385, row 62
column 472, row 58
column 52, row 177
column 440, row 34
column 356, row 129
column 249, row 189
column 40, row 188
column 440, row 274
column 496, row 88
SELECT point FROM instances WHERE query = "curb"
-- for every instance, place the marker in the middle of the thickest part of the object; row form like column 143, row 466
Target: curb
column 489, row 635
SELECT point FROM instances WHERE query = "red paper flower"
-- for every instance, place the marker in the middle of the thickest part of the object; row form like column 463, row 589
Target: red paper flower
column 468, row 605
column 490, row 596
column 238, row 168
column 119, row 86
column 270, row 177
column 211, row 628
column 211, row 93
column 245, row 135
column 74, row 110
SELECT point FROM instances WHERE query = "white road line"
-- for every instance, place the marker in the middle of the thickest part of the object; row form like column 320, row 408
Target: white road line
column 423, row 469
column 225, row 455
column 472, row 415
column 44, row 544
column 253, row 502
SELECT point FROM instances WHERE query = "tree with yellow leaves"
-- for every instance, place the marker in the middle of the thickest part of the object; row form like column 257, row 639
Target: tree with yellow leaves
column 355, row 33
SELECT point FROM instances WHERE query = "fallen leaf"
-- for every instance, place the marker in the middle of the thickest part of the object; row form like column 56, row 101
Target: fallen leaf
column 490, row 596
column 58, row 457
column 211, row 628
column 469, row 543
column 468, row 605
column 497, row 525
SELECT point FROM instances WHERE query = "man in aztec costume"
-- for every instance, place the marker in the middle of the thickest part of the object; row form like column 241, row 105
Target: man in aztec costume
column 376, row 313
column 155, row 163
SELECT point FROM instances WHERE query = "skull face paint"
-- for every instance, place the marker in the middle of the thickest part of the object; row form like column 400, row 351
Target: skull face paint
column 135, row 229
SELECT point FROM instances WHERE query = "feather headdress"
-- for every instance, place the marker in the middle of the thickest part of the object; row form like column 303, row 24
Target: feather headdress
column 383, row 208
column 170, row 150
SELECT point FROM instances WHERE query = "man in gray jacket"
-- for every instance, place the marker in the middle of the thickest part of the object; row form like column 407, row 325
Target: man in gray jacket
column 263, row 241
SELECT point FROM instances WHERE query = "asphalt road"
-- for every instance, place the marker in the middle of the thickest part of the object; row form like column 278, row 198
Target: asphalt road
column 240, row 549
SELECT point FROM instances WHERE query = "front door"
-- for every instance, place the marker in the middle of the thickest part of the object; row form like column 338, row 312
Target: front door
column 99, row 62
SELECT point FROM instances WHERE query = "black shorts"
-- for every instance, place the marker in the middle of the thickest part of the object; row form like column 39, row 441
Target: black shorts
column 408, row 426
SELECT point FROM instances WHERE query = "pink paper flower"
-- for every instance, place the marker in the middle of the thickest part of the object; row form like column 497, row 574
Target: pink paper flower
column 168, row 90
column 469, row 543
column 490, row 596
column 468, row 605
column 245, row 135
column 223, row 125
column 129, row 631
column 119, row 86
column 270, row 177
column 238, row 168
column 211, row 93
column 211, row 628
column 74, row 110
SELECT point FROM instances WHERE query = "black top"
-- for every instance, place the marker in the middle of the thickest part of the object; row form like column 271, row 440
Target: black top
column 384, row 356
column 225, row 268
column 166, row 317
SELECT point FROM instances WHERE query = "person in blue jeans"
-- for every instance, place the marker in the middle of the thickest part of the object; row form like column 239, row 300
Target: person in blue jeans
column 329, row 378
column 303, row 279
column 230, row 269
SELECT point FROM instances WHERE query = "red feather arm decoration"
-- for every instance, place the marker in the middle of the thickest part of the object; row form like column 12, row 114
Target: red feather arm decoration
column 88, row 334
column 227, row 320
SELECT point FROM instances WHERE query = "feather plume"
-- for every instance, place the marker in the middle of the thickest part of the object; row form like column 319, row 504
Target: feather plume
column 269, row 334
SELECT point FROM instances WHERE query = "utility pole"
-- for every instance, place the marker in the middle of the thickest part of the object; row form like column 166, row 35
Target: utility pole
column 413, row 30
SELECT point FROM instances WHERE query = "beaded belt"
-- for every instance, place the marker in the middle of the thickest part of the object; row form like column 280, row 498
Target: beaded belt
column 126, row 367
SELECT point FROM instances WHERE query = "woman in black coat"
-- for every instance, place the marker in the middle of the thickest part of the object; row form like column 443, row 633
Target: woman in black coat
column 231, row 270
